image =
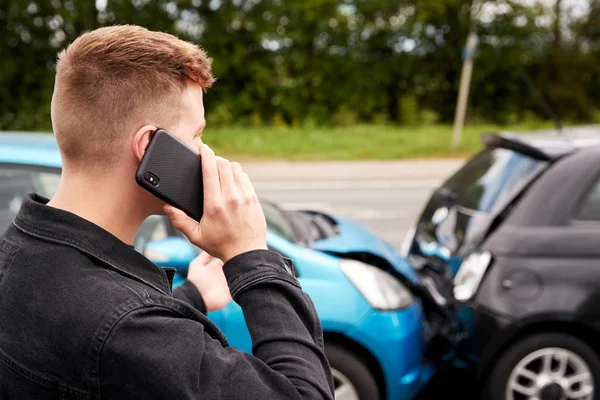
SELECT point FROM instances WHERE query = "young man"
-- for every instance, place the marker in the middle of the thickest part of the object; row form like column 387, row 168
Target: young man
column 84, row 316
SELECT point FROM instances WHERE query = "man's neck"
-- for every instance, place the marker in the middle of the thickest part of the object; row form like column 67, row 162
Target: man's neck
column 111, row 207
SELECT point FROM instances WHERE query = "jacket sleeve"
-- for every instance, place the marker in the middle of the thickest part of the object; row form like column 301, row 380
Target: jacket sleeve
column 154, row 353
column 189, row 293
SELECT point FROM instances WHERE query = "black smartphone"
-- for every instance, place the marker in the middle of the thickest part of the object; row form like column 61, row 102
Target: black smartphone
column 171, row 171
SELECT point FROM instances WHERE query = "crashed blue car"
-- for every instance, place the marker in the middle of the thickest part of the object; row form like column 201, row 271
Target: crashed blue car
column 375, row 329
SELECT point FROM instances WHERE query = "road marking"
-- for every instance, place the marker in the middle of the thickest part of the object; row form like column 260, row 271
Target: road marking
column 344, row 185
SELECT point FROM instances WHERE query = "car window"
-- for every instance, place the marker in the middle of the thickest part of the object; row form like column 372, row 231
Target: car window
column 153, row 228
column 278, row 222
column 490, row 176
column 16, row 182
column 590, row 209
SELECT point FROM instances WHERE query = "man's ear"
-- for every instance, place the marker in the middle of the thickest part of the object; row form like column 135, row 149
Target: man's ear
column 141, row 140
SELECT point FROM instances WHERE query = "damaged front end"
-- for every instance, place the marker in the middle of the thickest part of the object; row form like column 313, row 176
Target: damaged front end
column 447, row 332
column 431, row 283
column 444, row 332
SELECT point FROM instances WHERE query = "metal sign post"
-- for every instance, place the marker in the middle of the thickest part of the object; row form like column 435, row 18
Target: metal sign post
column 463, row 91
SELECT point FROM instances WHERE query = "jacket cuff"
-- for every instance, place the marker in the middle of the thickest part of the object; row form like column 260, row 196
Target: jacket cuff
column 256, row 266
column 189, row 293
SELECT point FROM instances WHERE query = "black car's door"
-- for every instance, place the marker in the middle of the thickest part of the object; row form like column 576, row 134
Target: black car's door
column 547, row 251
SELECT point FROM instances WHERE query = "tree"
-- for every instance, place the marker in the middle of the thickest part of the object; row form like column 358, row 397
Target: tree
column 330, row 61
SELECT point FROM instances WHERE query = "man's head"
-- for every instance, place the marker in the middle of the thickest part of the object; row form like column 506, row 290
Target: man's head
column 114, row 87
column 114, row 81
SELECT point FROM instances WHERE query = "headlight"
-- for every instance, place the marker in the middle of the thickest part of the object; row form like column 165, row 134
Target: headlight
column 469, row 276
column 380, row 289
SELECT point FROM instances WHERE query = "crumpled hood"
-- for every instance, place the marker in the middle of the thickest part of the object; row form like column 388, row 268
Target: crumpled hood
column 354, row 238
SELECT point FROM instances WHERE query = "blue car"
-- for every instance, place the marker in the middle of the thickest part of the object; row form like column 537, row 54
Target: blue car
column 374, row 327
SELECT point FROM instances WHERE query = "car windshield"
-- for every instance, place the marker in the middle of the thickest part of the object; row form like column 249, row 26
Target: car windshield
column 16, row 181
column 491, row 176
column 278, row 222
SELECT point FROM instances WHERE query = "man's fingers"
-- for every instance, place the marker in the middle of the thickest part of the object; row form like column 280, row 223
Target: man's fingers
column 226, row 177
column 248, row 186
column 204, row 258
column 185, row 224
column 238, row 177
column 210, row 176
column 238, row 173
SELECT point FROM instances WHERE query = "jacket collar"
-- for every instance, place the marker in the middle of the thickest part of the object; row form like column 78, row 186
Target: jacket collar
column 51, row 224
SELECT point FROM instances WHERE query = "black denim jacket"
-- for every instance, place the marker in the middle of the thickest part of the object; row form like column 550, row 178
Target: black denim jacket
column 84, row 316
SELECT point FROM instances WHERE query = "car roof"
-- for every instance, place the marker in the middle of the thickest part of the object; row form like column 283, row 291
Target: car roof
column 30, row 148
column 550, row 144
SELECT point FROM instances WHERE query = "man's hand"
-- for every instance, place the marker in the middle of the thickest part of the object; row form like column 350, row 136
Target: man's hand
column 206, row 273
column 233, row 221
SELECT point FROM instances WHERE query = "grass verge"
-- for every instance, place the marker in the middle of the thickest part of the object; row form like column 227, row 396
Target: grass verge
column 361, row 142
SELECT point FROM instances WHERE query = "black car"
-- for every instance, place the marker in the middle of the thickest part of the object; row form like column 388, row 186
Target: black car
column 517, row 231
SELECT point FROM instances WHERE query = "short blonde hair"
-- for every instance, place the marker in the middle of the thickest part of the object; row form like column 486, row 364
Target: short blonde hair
column 112, row 79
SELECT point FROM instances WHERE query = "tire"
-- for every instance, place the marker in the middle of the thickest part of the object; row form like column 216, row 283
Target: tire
column 531, row 352
column 348, row 368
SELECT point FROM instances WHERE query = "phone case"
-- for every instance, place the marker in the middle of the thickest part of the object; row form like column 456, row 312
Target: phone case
column 171, row 171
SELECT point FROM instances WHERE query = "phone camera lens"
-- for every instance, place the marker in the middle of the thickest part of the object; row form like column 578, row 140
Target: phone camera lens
column 151, row 178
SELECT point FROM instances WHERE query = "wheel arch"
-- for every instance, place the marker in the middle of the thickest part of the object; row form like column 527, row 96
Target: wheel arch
column 576, row 329
column 362, row 353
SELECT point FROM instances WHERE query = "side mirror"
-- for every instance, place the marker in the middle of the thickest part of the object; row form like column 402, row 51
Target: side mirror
column 174, row 252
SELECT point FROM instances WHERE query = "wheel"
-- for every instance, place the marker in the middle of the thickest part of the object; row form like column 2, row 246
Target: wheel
column 545, row 366
column 352, row 378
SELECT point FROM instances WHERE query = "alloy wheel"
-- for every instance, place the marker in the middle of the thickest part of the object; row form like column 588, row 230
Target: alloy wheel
column 551, row 373
column 344, row 389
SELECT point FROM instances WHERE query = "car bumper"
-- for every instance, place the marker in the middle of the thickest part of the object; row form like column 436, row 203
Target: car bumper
column 491, row 333
column 396, row 340
column 468, row 334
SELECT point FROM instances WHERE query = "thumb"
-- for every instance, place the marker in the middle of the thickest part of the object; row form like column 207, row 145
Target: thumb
column 185, row 224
